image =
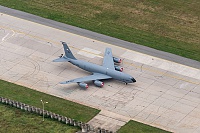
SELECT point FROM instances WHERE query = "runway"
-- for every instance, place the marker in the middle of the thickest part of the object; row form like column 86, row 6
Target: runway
column 166, row 94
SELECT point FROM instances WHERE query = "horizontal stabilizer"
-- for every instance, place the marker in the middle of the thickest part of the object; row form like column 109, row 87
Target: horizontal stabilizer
column 62, row 59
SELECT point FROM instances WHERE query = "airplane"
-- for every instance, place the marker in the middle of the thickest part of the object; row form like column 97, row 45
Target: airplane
column 107, row 71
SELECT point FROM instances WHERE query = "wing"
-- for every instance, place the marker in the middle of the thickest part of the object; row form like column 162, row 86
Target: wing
column 95, row 76
column 108, row 59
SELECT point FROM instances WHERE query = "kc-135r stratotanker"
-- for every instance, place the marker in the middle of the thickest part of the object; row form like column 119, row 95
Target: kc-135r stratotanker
column 107, row 71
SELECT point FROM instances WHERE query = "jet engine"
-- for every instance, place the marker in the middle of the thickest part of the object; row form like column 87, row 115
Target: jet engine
column 83, row 85
column 117, row 60
column 98, row 83
column 118, row 68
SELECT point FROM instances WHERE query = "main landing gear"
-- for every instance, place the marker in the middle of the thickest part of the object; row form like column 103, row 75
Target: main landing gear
column 125, row 83
column 61, row 56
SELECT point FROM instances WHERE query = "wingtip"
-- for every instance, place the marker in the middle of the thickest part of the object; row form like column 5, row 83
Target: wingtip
column 63, row 42
column 64, row 82
column 54, row 60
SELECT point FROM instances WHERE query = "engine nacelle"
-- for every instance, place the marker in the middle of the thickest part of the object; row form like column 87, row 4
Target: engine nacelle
column 118, row 68
column 98, row 83
column 83, row 85
column 117, row 60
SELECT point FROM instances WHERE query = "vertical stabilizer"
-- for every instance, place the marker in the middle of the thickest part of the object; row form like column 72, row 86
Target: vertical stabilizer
column 68, row 52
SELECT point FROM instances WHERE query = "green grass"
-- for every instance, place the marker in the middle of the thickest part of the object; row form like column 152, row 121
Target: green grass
column 172, row 26
column 57, row 105
column 136, row 127
column 14, row 120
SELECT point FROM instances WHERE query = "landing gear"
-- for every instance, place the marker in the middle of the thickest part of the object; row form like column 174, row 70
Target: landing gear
column 61, row 56
column 125, row 83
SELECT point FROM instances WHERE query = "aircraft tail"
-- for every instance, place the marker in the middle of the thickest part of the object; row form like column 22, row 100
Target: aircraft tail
column 68, row 52
column 68, row 55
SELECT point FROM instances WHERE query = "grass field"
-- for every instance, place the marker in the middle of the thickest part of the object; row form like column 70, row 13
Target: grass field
column 56, row 105
column 27, row 122
column 171, row 25
column 136, row 127
column 14, row 120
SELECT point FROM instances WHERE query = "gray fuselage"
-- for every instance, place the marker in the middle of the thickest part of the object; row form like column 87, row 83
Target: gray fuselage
column 90, row 67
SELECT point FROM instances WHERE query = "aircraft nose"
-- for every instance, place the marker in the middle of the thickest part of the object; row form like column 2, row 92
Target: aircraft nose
column 133, row 80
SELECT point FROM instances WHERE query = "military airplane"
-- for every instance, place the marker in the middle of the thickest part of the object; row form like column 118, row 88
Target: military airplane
column 107, row 71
